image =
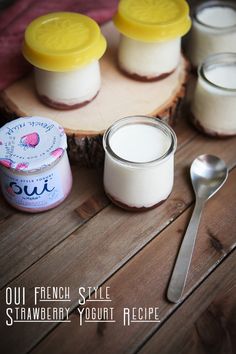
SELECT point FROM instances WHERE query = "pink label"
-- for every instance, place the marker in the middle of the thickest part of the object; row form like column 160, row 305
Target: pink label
column 33, row 191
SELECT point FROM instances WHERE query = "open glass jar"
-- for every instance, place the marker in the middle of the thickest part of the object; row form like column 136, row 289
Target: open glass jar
column 214, row 101
column 139, row 162
column 213, row 30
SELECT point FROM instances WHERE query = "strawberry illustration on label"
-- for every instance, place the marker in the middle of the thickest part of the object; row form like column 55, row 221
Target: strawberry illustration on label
column 21, row 166
column 30, row 140
column 10, row 191
column 6, row 162
column 57, row 153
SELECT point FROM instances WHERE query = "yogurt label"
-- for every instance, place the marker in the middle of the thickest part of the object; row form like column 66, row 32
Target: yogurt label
column 39, row 191
column 31, row 144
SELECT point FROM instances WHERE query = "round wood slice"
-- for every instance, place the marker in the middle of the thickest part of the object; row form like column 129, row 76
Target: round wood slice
column 119, row 96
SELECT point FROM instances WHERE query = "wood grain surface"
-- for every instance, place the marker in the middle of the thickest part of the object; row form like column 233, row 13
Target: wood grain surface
column 89, row 242
column 111, row 242
column 45, row 231
column 26, row 238
column 143, row 283
column 206, row 321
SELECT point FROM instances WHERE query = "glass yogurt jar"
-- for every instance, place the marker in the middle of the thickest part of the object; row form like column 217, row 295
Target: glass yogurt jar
column 139, row 162
column 35, row 174
column 214, row 101
column 150, row 39
column 213, row 30
column 65, row 49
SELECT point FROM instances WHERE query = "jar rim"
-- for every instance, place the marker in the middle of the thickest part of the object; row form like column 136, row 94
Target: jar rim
column 140, row 119
column 33, row 171
column 215, row 60
column 214, row 3
column 31, row 143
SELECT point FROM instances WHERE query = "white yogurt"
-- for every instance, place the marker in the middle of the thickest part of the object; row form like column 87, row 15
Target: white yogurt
column 223, row 76
column 213, row 30
column 217, row 16
column 70, row 88
column 214, row 101
column 139, row 162
column 148, row 60
column 151, row 33
column 65, row 48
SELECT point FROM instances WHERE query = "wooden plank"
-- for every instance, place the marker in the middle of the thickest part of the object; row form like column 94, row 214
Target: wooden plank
column 183, row 128
column 94, row 252
column 205, row 323
column 216, row 327
column 5, row 210
column 143, row 282
column 26, row 238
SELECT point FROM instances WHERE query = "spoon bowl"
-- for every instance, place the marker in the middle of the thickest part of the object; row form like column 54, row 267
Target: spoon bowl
column 208, row 174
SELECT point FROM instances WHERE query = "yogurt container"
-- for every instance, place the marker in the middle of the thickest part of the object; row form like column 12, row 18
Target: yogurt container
column 139, row 162
column 214, row 101
column 150, row 36
column 35, row 174
column 213, row 30
column 65, row 49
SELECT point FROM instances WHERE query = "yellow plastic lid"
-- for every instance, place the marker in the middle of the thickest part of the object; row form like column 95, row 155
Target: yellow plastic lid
column 63, row 41
column 152, row 20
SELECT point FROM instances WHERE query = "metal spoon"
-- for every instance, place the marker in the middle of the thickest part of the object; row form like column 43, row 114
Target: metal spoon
column 208, row 174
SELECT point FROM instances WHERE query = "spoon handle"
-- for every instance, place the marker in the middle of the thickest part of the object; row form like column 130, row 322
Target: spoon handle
column 180, row 272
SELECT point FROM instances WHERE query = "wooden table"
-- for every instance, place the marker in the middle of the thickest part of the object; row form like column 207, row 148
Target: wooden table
column 89, row 242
